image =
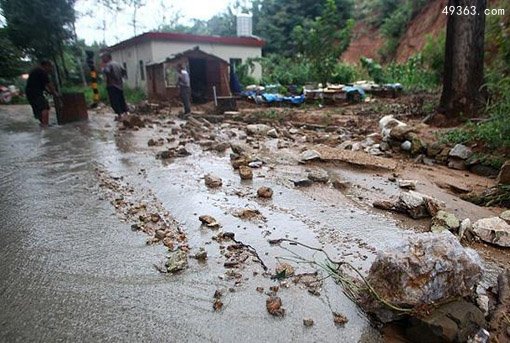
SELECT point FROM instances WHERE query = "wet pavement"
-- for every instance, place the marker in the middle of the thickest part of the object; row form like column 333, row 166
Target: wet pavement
column 73, row 270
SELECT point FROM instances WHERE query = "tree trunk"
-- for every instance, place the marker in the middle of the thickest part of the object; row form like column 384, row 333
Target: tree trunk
column 464, row 55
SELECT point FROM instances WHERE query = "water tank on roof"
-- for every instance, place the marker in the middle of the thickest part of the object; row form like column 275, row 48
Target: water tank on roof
column 244, row 25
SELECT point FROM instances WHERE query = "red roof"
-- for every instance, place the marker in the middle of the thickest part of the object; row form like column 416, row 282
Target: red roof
column 186, row 37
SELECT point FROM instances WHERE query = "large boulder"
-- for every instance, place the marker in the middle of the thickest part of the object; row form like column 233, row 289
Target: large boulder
column 427, row 268
column 461, row 152
column 504, row 174
column 493, row 230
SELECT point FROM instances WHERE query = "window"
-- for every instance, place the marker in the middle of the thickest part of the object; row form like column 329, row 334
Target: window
column 142, row 70
column 124, row 65
column 235, row 63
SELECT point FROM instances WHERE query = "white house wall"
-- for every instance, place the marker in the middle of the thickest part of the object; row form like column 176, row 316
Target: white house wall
column 131, row 56
column 163, row 49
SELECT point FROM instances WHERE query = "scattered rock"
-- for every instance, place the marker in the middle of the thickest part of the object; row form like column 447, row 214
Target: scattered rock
column 505, row 216
column 212, row 181
column 456, row 163
column 308, row 322
column 302, row 182
column 500, row 324
column 341, row 185
column 177, row 261
column 160, row 234
column 257, row 129
column 407, row 184
column 460, row 151
column 153, row 142
column 240, row 161
column 493, row 230
column 442, row 157
column 400, row 132
column 245, row 173
column 417, row 205
column 339, row 318
column 444, row 221
column 132, row 121
column 274, row 306
column 255, row 164
column 201, row 254
column 319, row 175
column 284, row 270
column 237, row 149
column 265, row 192
column 465, row 227
column 504, row 174
column 406, row 146
column 217, row 304
column 434, row 149
column 209, row 221
column 272, row 133
column 249, row 214
column 309, row 155
column 428, row 268
column 452, row 322
column 417, row 145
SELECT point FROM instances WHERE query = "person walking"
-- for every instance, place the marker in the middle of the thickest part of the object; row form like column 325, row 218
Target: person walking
column 114, row 73
column 39, row 82
column 183, row 81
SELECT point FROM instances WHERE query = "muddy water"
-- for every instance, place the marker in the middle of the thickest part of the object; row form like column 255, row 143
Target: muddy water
column 71, row 270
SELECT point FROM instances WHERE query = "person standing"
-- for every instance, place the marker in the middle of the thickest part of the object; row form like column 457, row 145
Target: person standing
column 114, row 73
column 183, row 81
column 39, row 82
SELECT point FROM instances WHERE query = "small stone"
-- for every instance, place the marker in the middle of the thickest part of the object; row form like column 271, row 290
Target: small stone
column 160, row 234
column 284, row 270
column 272, row 133
column 461, row 151
column 505, row 216
column 339, row 318
column 458, row 164
column 212, row 181
column 504, row 174
column 257, row 129
column 245, row 173
column 407, row 184
column 340, row 184
column 256, row 164
column 319, row 175
column 169, row 243
column 406, row 146
column 201, row 254
column 434, row 149
column 209, row 221
column 274, row 306
column 308, row 322
column 444, row 221
column 178, row 260
column 303, row 182
column 465, row 226
column 265, row 192
column 309, row 155
column 260, row 289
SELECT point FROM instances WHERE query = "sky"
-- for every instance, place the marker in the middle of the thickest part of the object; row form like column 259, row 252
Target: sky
column 91, row 17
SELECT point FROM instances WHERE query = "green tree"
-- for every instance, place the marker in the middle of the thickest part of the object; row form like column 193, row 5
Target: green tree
column 39, row 28
column 323, row 40
column 11, row 63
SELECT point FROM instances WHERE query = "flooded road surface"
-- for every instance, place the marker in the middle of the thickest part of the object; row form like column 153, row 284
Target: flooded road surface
column 72, row 270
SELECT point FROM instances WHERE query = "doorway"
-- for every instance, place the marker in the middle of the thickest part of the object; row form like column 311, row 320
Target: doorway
column 198, row 80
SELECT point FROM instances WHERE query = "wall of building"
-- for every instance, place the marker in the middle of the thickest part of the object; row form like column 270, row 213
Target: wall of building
column 163, row 49
column 132, row 56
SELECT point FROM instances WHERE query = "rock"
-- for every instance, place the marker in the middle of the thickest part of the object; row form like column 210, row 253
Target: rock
column 458, row 164
column 309, row 155
column 442, row 157
column 248, row 213
column 482, row 336
column 265, row 192
column 452, row 322
column 177, row 260
column 406, row 146
column 347, row 145
column 272, row 133
column 209, row 221
column 302, row 182
column 493, row 230
column 212, row 181
column 504, row 174
column 168, row 242
column 274, row 306
column 319, row 175
column 434, row 149
column 428, row 268
column 407, row 184
column 245, row 173
column 339, row 318
column 465, row 226
column 500, row 324
column 240, row 161
column 444, row 221
column 153, row 142
column 388, row 123
column 505, row 216
column 181, row 151
column 460, row 151
column 417, row 205
column 400, row 132
column 160, row 234
column 417, row 145
column 480, row 169
column 308, row 322
column 220, row 147
column 482, row 300
column 257, row 129
column 132, row 121
column 384, row 205
column 165, row 154
column 256, row 164
column 237, row 149
column 384, row 146
column 340, row 184
column 284, row 270
column 201, row 254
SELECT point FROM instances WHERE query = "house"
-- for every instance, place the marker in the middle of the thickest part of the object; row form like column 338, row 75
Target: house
column 137, row 52
column 208, row 74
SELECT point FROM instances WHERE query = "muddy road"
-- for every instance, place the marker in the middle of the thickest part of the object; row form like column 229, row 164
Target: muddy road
column 73, row 268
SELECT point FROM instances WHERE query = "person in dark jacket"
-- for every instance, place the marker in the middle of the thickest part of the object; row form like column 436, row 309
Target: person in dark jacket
column 114, row 73
column 39, row 82
column 183, row 81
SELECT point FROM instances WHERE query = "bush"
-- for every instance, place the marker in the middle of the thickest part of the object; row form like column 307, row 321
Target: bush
column 433, row 54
